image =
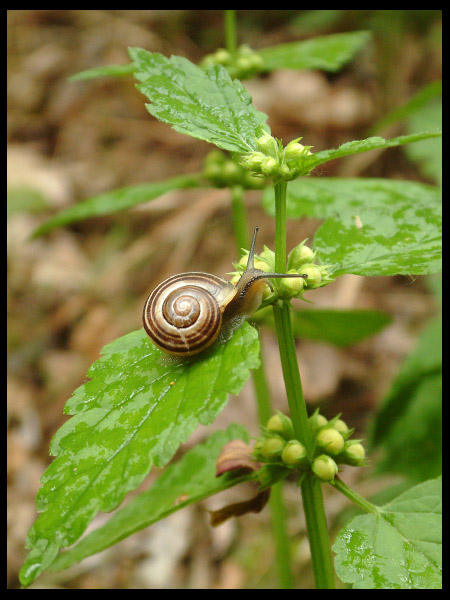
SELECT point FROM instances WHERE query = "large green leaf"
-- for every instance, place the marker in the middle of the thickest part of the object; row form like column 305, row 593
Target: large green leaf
column 116, row 200
column 397, row 548
column 328, row 52
column 136, row 410
column 207, row 105
column 404, row 241
column 322, row 197
column 190, row 480
column 374, row 226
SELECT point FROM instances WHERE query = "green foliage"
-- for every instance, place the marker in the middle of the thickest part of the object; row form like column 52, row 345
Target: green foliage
column 136, row 410
column 338, row 327
column 207, row 105
column 328, row 53
column 409, row 423
column 117, row 200
column 107, row 71
column 185, row 482
column 374, row 227
column 397, row 547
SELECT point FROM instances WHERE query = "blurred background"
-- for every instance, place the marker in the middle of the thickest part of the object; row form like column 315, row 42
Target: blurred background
column 77, row 288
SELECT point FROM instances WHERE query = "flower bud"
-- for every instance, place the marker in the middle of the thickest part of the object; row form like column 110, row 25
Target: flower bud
column 330, row 440
column 314, row 274
column 317, row 420
column 354, row 453
column 292, row 285
column 294, row 453
column 272, row 447
column 300, row 255
column 222, row 56
column 253, row 161
column 282, row 425
column 269, row 166
column 294, row 150
column 231, row 171
column 341, row 426
column 285, row 172
column 324, row 467
column 267, row 144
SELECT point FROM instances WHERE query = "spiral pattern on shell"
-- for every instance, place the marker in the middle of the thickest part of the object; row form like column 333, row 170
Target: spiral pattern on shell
column 183, row 314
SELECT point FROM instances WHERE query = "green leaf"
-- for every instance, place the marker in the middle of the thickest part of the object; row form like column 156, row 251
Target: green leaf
column 207, row 105
column 339, row 327
column 136, row 410
column 190, row 480
column 328, row 53
column 398, row 548
column 374, row 226
column 116, row 200
column 106, row 71
column 322, row 197
column 427, row 156
column 358, row 146
column 409, row 423
column 406, row 240
column 414, row 104
column 413, row 446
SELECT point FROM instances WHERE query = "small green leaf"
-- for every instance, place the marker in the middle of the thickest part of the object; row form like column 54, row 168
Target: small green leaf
column 358, row 146
column 107, row 71
column 116, row 200
column 136, row 410
column 328, row 52
column 190, row 480
column 207, row 105
column 399, row 548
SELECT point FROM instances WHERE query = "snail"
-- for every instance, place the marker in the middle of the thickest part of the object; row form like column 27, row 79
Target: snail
column 185, row 313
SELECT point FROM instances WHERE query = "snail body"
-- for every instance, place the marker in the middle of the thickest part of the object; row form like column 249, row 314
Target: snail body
column 185, row 313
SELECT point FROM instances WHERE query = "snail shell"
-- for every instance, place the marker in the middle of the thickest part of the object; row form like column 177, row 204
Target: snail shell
column 183, row 314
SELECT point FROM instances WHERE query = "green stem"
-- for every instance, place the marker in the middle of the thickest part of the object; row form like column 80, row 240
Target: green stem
column 316, row 525
column 354, row 497
column 230, row 31
column 310, row 486
column 283, row 557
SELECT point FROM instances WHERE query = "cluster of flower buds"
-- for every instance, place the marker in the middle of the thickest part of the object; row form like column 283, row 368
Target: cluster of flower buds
column 222, row 171
column 333, row 446
column 300, row 261
column 242, row 64
column 272, row 160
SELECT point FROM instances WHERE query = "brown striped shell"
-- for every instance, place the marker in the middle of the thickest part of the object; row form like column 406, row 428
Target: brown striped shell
column 183, row 314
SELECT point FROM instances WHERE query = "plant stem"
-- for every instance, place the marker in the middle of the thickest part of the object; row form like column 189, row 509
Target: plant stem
column 354, row 497
column 316, row 524
column 310, row 486
column 283, row 557
column 230, row 31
